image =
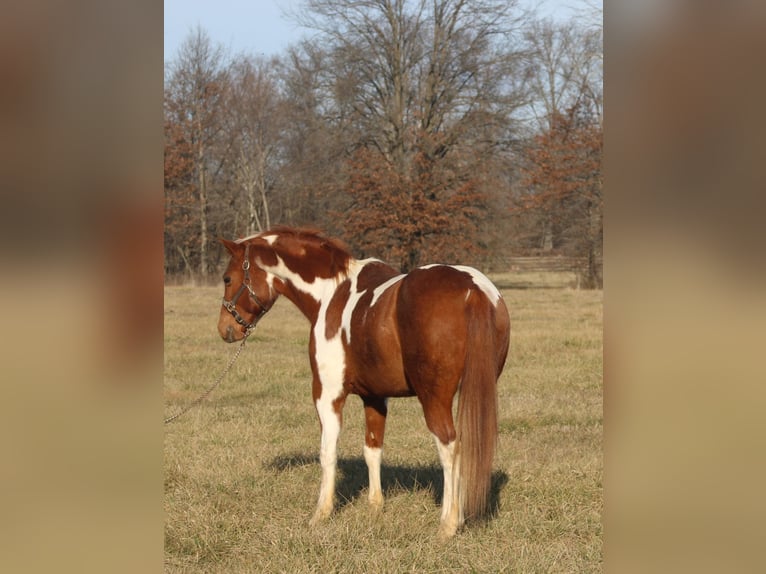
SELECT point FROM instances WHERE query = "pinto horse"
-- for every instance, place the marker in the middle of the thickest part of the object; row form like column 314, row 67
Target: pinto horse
column 378, row 333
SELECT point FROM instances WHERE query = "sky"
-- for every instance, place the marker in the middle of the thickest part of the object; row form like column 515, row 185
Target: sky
column 259, row 26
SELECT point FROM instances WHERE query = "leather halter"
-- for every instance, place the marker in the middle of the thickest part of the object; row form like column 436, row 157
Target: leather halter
column 231, row 306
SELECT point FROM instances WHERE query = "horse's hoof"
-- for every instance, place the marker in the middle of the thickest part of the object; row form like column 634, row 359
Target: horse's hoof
column 376, row 504
column 446, row 532
column 319, row 516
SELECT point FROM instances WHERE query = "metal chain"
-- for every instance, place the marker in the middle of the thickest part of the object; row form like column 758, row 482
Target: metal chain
column 215, row 384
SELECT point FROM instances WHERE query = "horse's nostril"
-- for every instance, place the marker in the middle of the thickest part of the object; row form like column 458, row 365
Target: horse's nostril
column 229, row 334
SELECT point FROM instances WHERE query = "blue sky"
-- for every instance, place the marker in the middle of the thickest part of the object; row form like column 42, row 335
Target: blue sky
column 253, row 26
column 258, row 26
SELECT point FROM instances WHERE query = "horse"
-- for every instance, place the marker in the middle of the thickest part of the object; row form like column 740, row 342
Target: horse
column 378, row 333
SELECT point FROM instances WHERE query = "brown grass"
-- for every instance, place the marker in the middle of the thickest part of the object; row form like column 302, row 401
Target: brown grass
column 242, row 471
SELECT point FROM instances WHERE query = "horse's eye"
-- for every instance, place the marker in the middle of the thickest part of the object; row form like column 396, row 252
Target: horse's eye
column 227, row 279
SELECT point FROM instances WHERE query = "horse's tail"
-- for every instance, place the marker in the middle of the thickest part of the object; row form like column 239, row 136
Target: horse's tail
column 477, row 408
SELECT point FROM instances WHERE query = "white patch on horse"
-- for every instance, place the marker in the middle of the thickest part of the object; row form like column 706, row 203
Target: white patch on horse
column 318, row 289
column 380, row 289
column 330, row 356
column 355, row 267
column 482, row 282
column 270, row 282
column 269, row 238
column 478, row 278
column 248, row 238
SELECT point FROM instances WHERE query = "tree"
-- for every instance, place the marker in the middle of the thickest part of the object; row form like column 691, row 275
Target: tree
column 566, row 62
column 409, row 127
column 427, row 85
column 253, row 118
column 424, row 214
column 563, row 179
column 316, row 137
column 179, row 196
column 195, row 87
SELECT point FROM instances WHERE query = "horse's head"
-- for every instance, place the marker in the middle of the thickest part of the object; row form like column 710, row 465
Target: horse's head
column 247, row 293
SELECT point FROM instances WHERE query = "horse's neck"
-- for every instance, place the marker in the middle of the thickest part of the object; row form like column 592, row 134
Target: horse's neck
column 308, row 296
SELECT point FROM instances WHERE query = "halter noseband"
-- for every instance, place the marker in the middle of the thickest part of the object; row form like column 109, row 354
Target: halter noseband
column 231, row 306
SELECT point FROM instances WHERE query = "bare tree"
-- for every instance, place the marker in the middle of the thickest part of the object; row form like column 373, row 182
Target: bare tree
column 195, row 84
column 420, row 65
column 567, row 60
column 402, row 125
column 431, row 86
column 254, row 121
column 316, row 136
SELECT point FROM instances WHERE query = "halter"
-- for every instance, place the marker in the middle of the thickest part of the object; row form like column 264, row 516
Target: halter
column 231, row 306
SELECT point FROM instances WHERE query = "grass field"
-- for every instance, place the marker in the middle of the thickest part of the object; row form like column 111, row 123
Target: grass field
column 242, row 469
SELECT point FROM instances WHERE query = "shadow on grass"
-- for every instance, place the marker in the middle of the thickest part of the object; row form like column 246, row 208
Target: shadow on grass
column 353, row 479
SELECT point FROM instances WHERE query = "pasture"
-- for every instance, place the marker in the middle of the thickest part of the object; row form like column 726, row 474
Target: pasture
column 242, row 469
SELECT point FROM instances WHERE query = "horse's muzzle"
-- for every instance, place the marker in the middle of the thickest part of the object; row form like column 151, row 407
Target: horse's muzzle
column 229, row 334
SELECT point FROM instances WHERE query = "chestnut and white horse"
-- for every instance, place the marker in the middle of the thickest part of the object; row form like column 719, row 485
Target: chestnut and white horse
column 378, row 333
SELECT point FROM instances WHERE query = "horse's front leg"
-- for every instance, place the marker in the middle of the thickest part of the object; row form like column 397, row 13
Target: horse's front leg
column 331, row 418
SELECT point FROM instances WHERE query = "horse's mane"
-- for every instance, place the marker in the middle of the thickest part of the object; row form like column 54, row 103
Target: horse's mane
column 337, row 251
column 312, row 235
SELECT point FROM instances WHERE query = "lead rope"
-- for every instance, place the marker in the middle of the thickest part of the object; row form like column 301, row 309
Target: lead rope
column 214, row 385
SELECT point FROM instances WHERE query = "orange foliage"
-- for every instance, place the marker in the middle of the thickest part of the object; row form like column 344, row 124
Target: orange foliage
column 429, row 213
column 180, row 203
column 563, row 183
column 564, row 163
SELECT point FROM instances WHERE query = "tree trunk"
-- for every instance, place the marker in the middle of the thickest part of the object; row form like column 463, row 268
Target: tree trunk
column 262, row 189
column 593, row 279
column 253, row 221
column 547, row 240
column 203, row 268
column 185, row 259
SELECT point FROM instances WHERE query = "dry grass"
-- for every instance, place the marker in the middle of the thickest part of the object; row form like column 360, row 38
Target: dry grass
column 242, row 471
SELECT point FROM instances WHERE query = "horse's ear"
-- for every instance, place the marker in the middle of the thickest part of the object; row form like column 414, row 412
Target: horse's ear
column 230, row 246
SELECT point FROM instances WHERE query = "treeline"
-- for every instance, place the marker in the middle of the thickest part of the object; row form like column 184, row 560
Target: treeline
column 450, row 130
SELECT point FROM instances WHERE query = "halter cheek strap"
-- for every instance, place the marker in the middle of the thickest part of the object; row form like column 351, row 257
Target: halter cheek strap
column 231, row 305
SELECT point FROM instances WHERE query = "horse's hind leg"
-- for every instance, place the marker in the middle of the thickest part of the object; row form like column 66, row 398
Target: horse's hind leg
column 452, row 506
column 375, row 411
column 438, row 416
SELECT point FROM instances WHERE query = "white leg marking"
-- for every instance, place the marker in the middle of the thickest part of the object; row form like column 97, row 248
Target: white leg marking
column 372, row 457
column 328, row 458
column 452, row 512
column 331, row 364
